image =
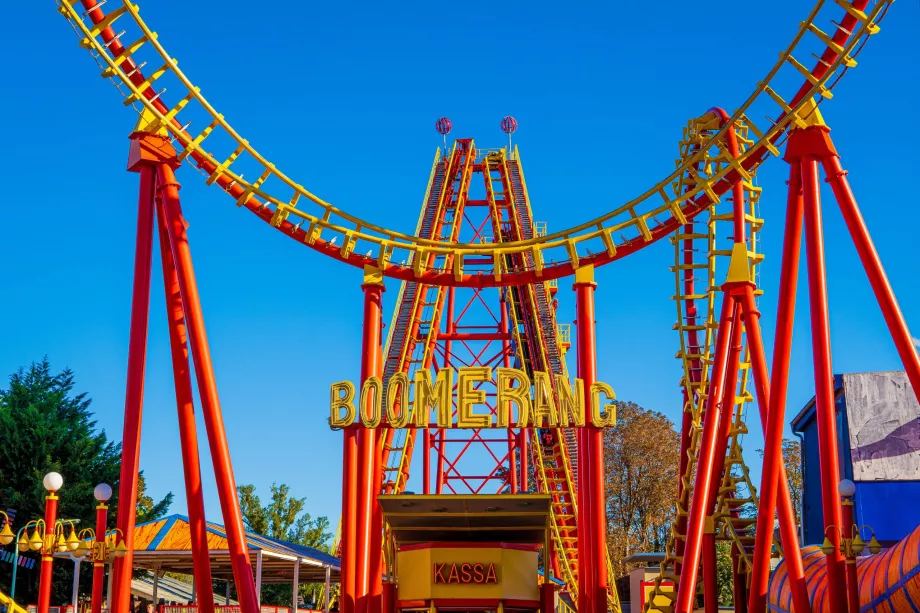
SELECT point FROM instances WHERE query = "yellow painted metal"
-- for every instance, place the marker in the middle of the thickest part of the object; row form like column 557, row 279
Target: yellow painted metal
column 640, row 215
column 11, row 606
column 516, row 571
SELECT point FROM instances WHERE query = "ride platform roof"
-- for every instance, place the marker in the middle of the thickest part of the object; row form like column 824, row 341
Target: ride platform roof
column 506, row 518
column 166, row 544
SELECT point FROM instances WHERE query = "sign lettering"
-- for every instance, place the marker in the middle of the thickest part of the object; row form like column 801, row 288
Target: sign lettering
column 465, row 573
column 547, row 402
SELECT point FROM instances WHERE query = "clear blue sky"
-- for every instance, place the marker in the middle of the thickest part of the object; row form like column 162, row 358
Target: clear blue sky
column 344, row 98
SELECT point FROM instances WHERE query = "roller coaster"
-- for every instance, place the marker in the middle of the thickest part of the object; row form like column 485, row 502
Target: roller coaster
column 479, row 285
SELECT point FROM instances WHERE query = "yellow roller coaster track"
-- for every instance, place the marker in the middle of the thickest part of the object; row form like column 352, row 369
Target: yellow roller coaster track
column 276, row 198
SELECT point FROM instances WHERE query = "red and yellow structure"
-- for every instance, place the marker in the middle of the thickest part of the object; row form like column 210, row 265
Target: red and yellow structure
column 477, row 249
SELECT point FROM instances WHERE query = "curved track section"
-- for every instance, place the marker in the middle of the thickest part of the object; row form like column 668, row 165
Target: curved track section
column 225, row 156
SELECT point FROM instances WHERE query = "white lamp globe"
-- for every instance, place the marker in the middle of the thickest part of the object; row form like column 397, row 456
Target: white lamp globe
column 102, row 492
column 53, row 482
column 846, row 488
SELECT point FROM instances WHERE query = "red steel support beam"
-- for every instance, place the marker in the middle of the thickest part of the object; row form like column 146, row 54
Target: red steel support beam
column 368, row 482
column 188, row 434
column 729, row 394
column 207, row 387
column 506, row 362
column 825, row 406
column 592, row 535
column 349, row 518
column 907, row 351
column 774, row 487
column 134, row 393
column 686, row 589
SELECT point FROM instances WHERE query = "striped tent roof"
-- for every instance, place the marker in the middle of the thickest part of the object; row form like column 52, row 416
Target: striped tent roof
column 172, row 533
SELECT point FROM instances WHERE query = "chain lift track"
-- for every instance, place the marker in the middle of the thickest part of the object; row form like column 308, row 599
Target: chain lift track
column 277, row 199
column 702, row 249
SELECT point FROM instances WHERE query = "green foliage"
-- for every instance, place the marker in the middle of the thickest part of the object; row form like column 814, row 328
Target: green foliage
column 724, row 573
column 147, row 509
column 45, row 427
column 283, row 518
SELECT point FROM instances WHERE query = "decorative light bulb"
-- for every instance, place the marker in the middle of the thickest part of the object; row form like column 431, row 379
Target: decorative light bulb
column 35, row 541
column 6, row 535
column 846, row 488
column 53, row 481
column 72, row 541
column 874, row 545
column 102, row 492
column 120, row 549
column 827, row 547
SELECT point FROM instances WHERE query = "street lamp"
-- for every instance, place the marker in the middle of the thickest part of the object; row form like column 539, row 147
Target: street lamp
column 850, row 546
column 46, row 542
column 97, row 542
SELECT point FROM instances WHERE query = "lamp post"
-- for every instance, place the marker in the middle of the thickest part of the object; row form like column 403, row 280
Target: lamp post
column 102, row 546
column 102, row 493
column 52, row 482
column 851, row 543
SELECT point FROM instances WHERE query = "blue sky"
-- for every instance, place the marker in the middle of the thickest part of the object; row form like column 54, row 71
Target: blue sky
column 344, row 98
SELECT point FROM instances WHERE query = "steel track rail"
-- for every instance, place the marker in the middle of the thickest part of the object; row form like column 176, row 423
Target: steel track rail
column 614, row 235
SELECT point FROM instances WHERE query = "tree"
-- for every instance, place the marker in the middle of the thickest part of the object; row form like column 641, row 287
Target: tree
column 283, row 518
column 147, row 509
column 44, row 427
column 641, row 453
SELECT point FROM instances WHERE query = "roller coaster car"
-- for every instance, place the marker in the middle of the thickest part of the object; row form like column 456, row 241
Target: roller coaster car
column 547, row 437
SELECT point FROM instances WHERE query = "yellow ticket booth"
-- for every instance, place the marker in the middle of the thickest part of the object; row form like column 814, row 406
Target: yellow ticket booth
column 466, row 554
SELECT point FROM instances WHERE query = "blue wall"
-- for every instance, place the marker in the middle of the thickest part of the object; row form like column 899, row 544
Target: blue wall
column 891, row 508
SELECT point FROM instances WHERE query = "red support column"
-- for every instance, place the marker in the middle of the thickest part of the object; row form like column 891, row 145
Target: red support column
column 371, row 366
column 686, row 589
column 207, row 387
column 349, row 518
column 849, row 530
column 506, row 362
column 825, row 407
column 98, row 560
column 138, row 161
column 836, row 176
column 774, row 489
column 188, row 435
column 592, row 530
column 44, row 579
column 727, row 415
